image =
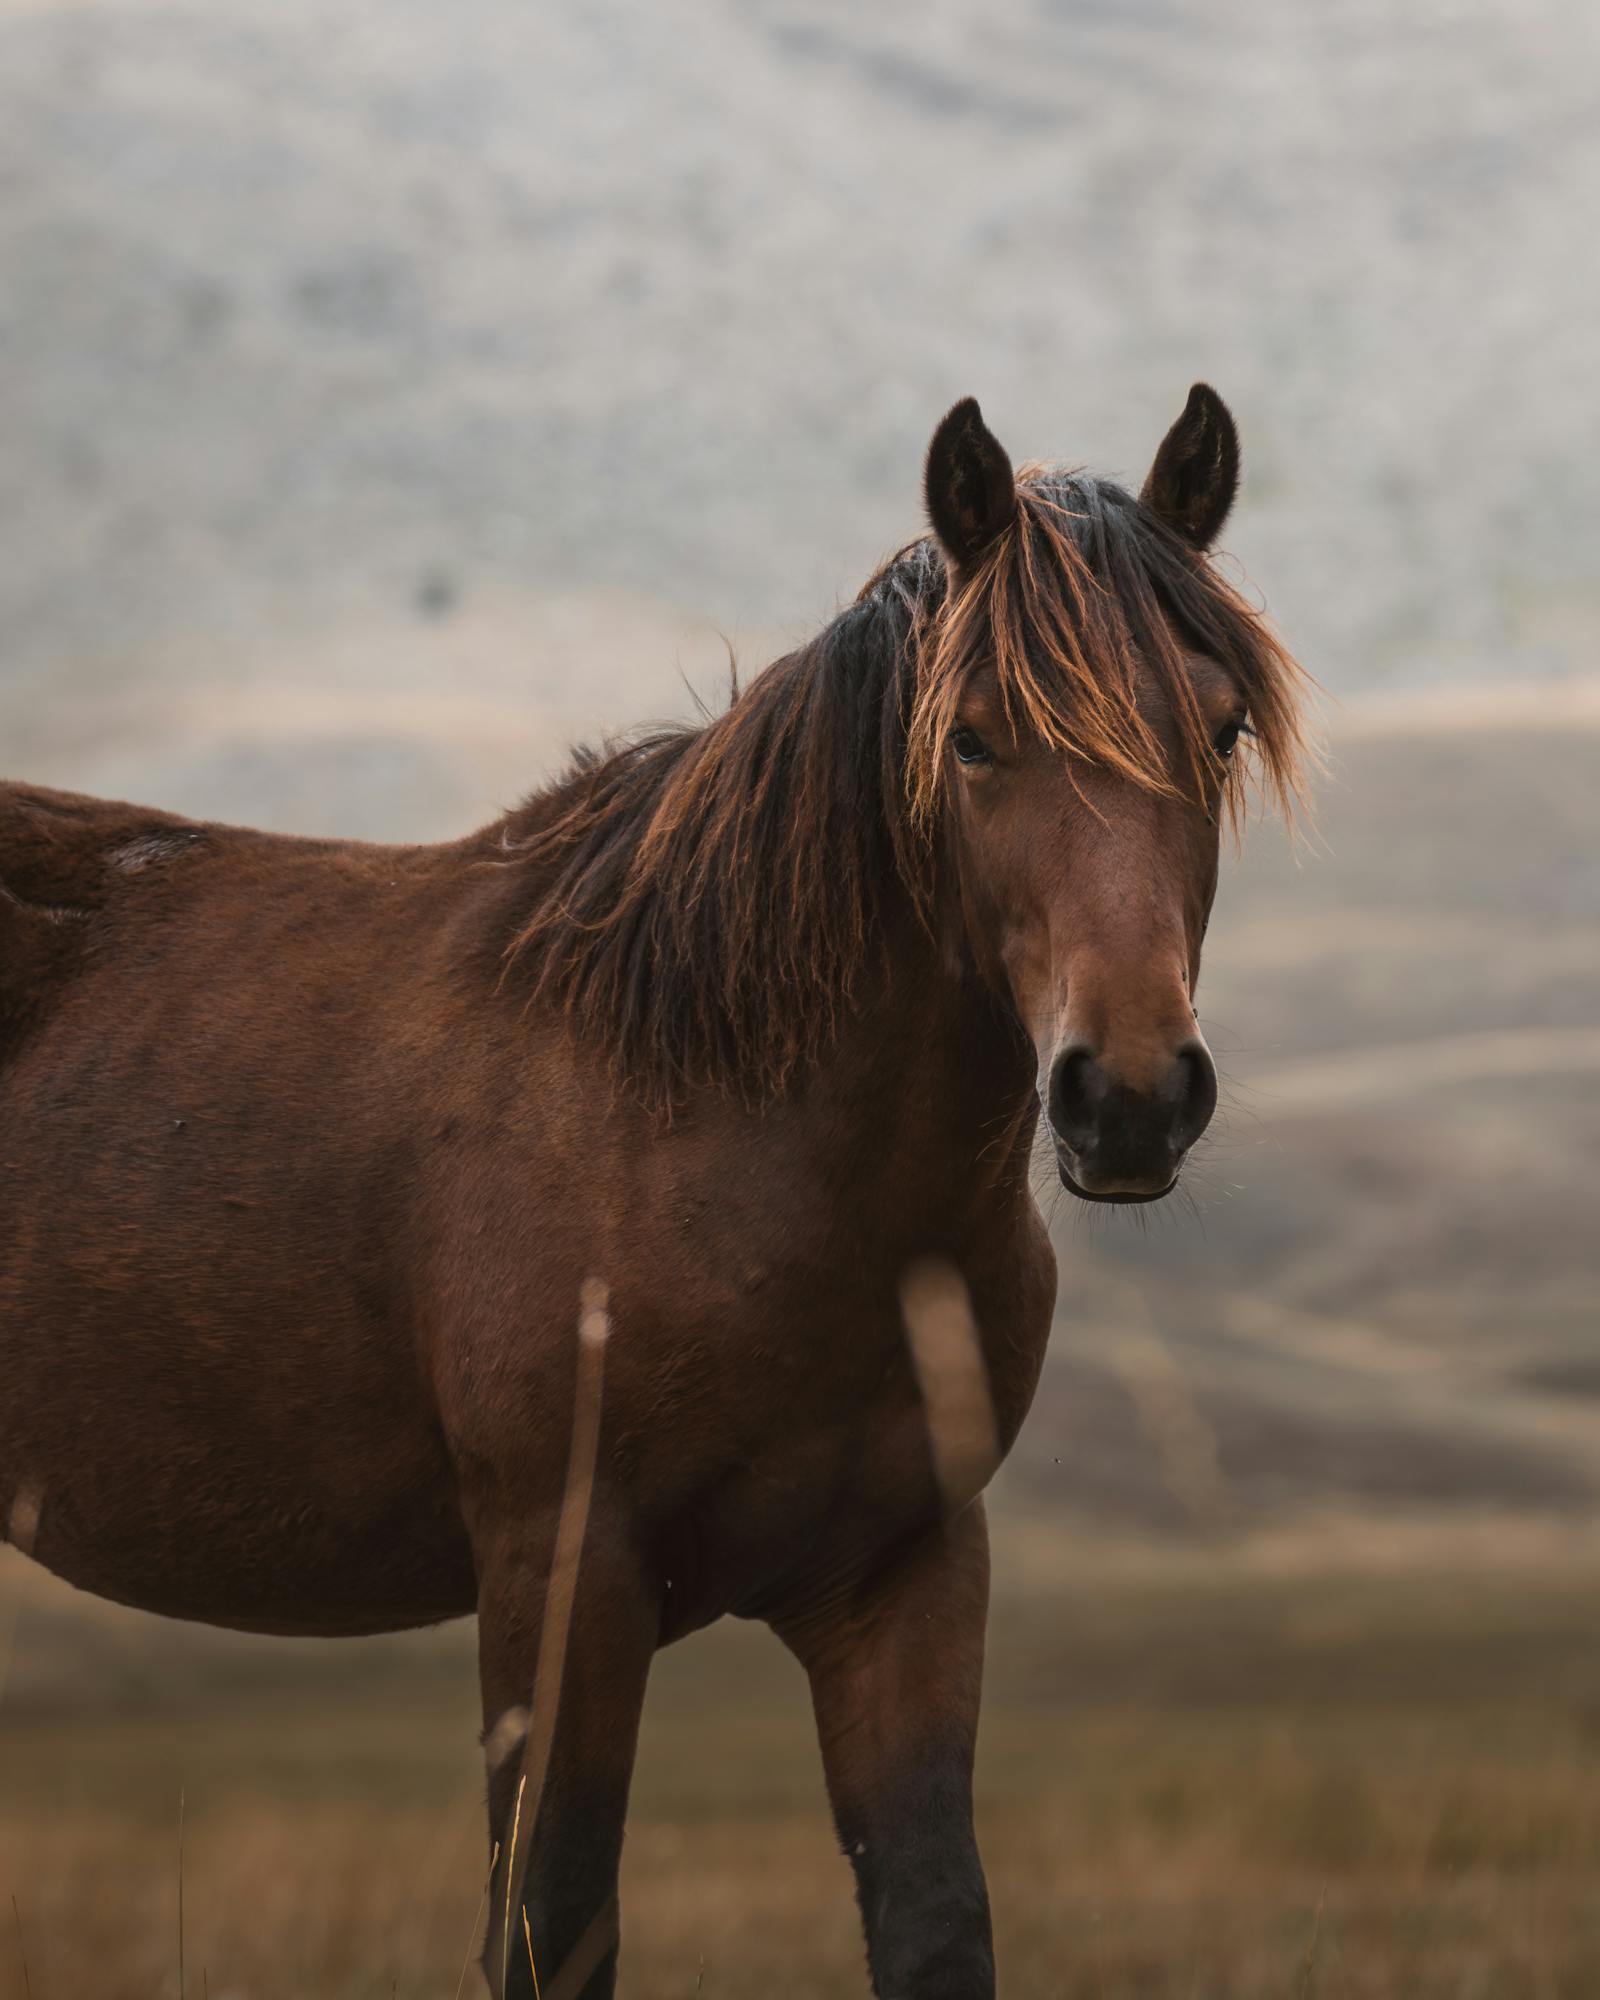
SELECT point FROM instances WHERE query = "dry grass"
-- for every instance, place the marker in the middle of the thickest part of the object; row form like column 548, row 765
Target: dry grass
column 1177, row 1773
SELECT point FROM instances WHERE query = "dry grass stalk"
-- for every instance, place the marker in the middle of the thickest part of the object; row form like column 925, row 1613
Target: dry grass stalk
column 1308, row 1972
column 511, row 1875
column 22, row 1531
column 527, row 1932
column 947, row 1353
column 461, row 1983
column 181, row 1988
column 594, row 1330
column 27, row 1983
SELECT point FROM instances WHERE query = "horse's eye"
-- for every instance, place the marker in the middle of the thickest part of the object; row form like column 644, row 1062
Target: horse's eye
column 1226, row 737
column 969, row 746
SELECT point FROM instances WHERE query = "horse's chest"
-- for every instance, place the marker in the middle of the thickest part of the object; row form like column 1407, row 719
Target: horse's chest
column 820, row 1433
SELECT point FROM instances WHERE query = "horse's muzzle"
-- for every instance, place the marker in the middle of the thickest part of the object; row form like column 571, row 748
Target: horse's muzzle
column 1118, row 1144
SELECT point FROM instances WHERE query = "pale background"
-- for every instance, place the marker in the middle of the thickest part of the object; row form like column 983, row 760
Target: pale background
column 392, row 393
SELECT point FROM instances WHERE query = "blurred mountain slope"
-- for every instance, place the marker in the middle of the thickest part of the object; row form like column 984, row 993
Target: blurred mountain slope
column 313, row 313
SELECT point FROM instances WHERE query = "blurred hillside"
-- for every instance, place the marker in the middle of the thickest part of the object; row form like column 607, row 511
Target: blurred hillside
column 314, row 319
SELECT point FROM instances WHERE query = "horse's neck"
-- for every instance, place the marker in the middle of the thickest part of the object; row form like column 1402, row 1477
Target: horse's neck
column 937, row 1080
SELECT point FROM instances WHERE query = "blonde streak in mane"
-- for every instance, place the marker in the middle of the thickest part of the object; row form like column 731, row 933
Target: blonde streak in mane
column 1060, row 622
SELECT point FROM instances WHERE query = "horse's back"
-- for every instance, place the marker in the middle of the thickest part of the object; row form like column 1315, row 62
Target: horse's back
column 58, row 865
column 60, row 839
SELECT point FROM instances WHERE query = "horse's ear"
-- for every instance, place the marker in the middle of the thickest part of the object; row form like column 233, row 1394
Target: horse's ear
column 1196, row 471
column 969, row 486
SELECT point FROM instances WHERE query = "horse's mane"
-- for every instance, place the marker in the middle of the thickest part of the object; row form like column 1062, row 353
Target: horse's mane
column 708, row 897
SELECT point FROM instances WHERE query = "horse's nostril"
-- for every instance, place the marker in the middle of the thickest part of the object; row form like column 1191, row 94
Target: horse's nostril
column 1094, row 1114
column 1077, row 1090
column 1196, row 1093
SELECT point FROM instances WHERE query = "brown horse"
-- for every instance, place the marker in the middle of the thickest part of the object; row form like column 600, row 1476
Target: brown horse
column 311, row 1148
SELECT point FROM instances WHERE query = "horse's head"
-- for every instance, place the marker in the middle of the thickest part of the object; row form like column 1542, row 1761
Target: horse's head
column 1089, row 692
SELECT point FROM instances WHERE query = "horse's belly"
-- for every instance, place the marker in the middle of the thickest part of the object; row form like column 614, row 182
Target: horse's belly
column 210, row 1398
column 206, row 1531
column 350, row 1531
column 189, row 1434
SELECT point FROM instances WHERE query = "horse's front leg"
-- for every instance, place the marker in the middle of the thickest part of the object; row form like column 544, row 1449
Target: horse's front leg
column 565, row 1642
column 896, row 1672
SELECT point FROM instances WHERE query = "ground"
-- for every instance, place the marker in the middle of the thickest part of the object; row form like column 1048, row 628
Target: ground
column 1206, row 1775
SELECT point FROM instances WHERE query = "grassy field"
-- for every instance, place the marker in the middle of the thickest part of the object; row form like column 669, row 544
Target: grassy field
column 1200, row 1780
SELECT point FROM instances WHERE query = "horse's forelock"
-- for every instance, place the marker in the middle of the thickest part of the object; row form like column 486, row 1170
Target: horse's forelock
column 1079, row 603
